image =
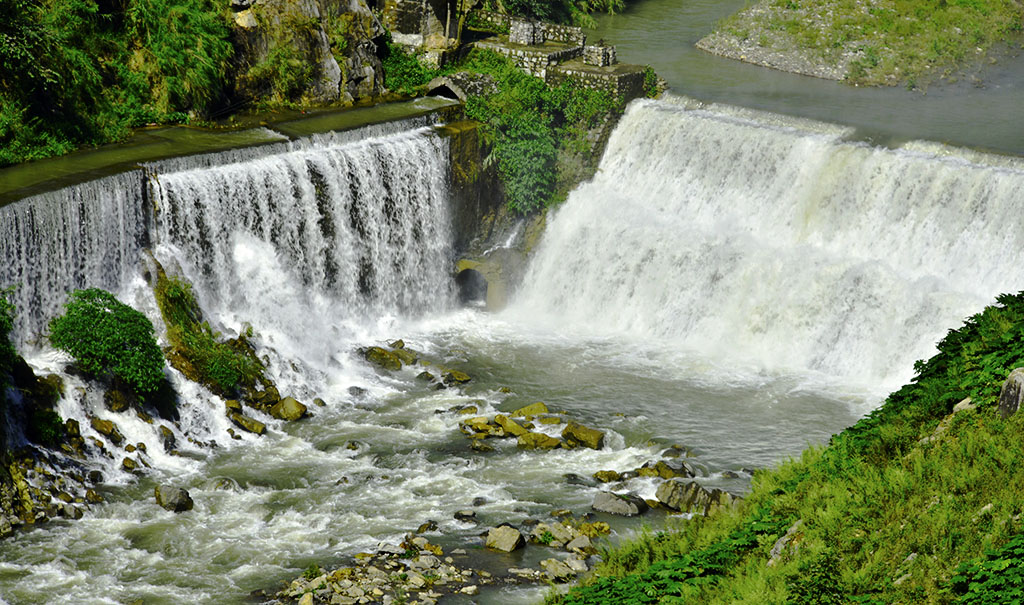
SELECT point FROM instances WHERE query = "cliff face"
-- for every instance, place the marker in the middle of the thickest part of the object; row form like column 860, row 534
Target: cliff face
column 306, row 51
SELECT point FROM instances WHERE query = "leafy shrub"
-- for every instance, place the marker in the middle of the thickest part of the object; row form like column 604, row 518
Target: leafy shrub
column 403, row 72
column 996, row 579
column 46, row 427
column 107, row 336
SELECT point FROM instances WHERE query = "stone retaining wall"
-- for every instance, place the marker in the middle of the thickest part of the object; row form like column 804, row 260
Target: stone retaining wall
column 628, row 85
column 534, row 62
column 565, row 34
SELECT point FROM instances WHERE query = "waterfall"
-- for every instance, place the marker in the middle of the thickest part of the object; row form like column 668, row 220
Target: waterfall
column 753, row 238
column 359, row 227
column 88, row 235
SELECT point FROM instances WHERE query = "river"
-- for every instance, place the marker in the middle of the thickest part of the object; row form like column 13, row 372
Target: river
column 734, row 281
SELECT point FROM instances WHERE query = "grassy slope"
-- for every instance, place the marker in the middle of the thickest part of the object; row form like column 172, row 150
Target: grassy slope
column 885, row 517
column 884, row 41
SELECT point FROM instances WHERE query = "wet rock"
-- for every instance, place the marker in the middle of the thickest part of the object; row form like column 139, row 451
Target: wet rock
column 267, row 397
column 665, row 469
column 550, row 419
column 426, row 376
column 288, row 409
column 406, row 356
column 477, row 445
column 174, row 499
column 92, row 497
column 95, row 477
column 428, row 526
column 537, row 441
column 574, row 479
column 72, row 428
column 466, row 516
column 319, row 402
column 510, row 426
column 479, row 501
column 232, row 405
column 625, row 505
column 167, row 438
column 528, row 411
column 116, row 400
column 108, row 429
column 554, row 534
column 606, row 476
column 453, row 377
column 1011, row 394
column 383, row 358
column 575, row 432
column 398, row 344
column 467, row 410
column 505, row 538
column 248, row 424
column 129, row 465
column 356, row 391
column 692, row 497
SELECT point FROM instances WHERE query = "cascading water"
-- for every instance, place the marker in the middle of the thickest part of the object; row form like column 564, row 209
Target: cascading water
column 753, row 238
column 89, row 235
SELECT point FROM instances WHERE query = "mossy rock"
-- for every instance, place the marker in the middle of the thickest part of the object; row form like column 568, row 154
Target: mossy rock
column 249, row 424
column 116, row 400
column 510, row 426
column 380, row 356
column 576, row 432
column 607, row 476
column 452, row 377
column 407, row 356
column 288, row 409
column 537, row 441
column 529, row 411
column 107, row 429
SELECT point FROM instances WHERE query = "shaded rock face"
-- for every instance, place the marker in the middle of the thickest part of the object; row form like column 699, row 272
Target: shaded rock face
column 332, row 44
column 1012, row 392
column 173, row 499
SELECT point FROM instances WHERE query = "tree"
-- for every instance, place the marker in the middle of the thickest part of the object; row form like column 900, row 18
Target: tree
column 107, row 336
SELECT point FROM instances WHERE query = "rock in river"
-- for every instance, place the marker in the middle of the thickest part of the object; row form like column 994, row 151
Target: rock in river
column 173, row 499
column 505, row 538
column 576, row 432
column 626, row 505
column 288, row 409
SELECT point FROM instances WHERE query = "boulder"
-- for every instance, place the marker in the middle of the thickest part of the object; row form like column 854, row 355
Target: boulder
column 174, row 499
column 549, row 535
column 108, row 429
column 248, row 424
column 678, row 495
column 167, row 438
column 575, row 432
column 665, row 469
column 625, row 505
column 382, row 357
column 466, row 516
column 267, row 397
column 129, row 465
column 1012, row 392
column 580, row 543
column 606, row 476
column 406, row 356
column 537, row 441
column 425, row 376
column 505, row 538
column 534, row 409
column 452, row 377
column 575, row 479
column 556, row 570
column 510, row 426
column 232, row 405
column 477, row 445
column 288, row 409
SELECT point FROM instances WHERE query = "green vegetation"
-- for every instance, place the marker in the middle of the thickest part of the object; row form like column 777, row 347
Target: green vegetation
column 896, row 509
column 83, row 72
column 892, row 41
column 526, row 122
column 106, row 336
column 7, row 351
column 196, row 351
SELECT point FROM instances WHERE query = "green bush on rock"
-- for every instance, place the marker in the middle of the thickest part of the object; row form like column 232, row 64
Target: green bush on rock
column 195, row 348
column 106, row 336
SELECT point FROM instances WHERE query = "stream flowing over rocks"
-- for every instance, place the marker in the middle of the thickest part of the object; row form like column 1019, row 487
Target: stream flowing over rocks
column 730, row 286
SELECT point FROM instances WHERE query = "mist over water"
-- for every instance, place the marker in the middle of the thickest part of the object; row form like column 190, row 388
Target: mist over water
column 736, row 282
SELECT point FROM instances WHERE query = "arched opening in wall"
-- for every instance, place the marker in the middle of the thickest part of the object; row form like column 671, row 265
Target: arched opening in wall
column 443, row 91
column 472, row 287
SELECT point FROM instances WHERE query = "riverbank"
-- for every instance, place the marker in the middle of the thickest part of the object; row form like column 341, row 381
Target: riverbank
column 917, row 502
column 897, row 43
